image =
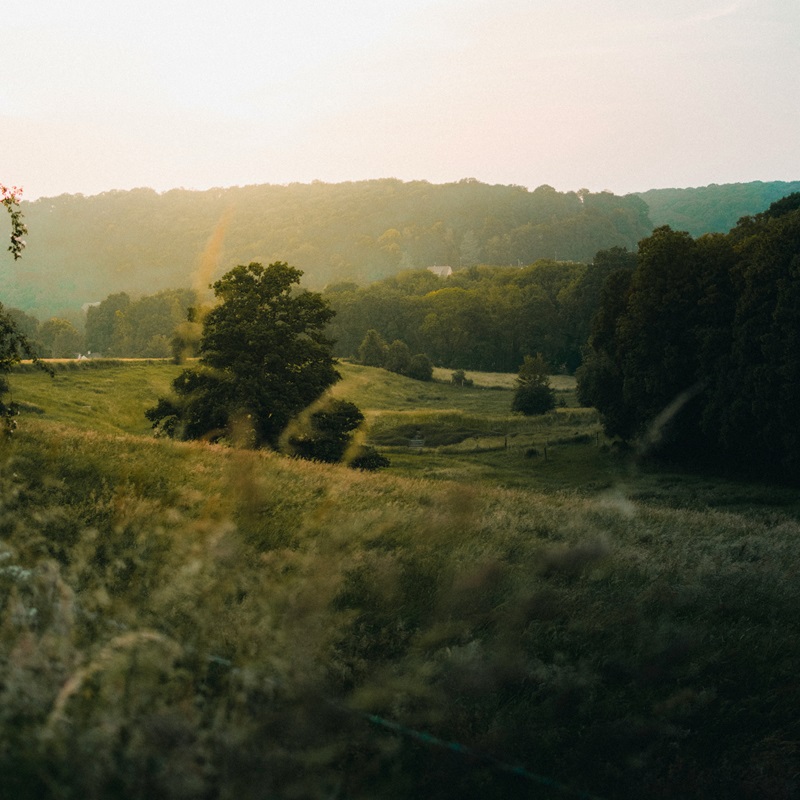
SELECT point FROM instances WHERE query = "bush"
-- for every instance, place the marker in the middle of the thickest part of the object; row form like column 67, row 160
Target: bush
column 329, row 434
column 459, row 378
column 420, row 368
column 534, row 394
column 530, row 399
column 398, row 357
column 369, row 460
column 372, row 351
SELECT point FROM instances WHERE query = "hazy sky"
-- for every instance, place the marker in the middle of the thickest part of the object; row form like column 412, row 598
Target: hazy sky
column 623, row 95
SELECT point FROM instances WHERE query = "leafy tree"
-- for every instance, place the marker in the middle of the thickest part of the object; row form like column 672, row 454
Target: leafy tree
column 60, row 338
column 13, row 347
column 263, row 356
column 695, row 353
column 420, row 368
column 533, row 395
column 27, row 324
column 14, row 344
column 580, row 300
column 372, row 351
column 9, row 198
column 102, row 320
column 398, row 357
column 459, row 378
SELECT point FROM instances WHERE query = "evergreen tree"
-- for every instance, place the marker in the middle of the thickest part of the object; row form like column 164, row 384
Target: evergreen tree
column 534, row 395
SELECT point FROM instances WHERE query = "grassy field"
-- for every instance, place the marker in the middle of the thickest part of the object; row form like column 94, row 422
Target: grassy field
column 182, row 620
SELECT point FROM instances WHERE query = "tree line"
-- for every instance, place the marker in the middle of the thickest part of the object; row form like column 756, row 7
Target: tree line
column 140, row 242
column 118, row 326
column 695, row 353
column 479, row 318
column 715, row 208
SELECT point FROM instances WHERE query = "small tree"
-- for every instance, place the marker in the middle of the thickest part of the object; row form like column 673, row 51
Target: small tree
column 398, row 357
column 420, row 368
column 372, row 350
column 534, row 395
column 459, row 378
column 60, row 338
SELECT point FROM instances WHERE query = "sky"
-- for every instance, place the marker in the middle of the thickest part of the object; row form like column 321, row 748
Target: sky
column 618, row 95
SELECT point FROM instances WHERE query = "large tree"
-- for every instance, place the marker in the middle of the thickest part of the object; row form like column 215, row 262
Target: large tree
column 263, row 358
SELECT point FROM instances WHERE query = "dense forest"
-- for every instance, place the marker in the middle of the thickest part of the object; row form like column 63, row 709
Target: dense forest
column 715, row 208
column 81, row 249
column 694, row 353
column 480, row 318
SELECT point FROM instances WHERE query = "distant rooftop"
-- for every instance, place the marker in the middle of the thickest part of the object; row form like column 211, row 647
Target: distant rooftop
column 442, row 272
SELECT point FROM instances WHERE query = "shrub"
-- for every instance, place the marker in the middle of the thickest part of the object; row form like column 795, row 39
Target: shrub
column 330, row 430
column 459, row 378
column 534, row 395
column 420, row 368
column 398, row 357
column 369, row 460
column 372, row 351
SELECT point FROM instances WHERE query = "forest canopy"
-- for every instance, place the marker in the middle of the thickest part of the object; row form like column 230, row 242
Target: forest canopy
column 140, row 242
column 480, row 318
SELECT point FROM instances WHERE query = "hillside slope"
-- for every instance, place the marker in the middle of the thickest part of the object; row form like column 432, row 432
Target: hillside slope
column 185, row 620
column 715, row 208
column 81, row 249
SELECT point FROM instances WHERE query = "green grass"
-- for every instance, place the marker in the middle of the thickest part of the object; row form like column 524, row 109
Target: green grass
column 104, row 396
column 187, row 620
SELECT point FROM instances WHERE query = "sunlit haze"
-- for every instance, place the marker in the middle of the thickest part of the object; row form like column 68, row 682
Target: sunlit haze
column 603, row 94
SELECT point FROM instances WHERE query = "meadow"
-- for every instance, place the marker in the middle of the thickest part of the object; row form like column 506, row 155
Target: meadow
column 185, row 620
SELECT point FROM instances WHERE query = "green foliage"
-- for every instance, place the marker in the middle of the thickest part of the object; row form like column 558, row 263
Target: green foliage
column 459, row 378
column 264, row 358
column 26, row 324
column 329, row 432
column 9, row 198
column 154, row 326
column 368, row 459
column 715, row 208
column 484, row 318
column 102, row 321
column 695, row 353
column 420, row 368
column 143, row 242
column 533, row 395
column 398, row 357
column 59, row 339
column 372, row 350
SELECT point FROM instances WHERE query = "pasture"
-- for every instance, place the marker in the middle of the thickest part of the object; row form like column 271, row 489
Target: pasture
column 188, row 620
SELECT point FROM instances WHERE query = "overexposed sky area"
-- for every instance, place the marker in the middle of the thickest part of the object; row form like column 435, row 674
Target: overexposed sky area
column 623, row 95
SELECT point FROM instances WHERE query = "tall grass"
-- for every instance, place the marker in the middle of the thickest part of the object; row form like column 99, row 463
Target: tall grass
column 180, row 620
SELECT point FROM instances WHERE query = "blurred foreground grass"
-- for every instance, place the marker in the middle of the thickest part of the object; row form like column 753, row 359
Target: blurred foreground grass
column 182, row 620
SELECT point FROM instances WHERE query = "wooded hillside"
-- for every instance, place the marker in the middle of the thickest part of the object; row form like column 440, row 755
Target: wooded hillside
column 715, row 208
column 81, row 249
